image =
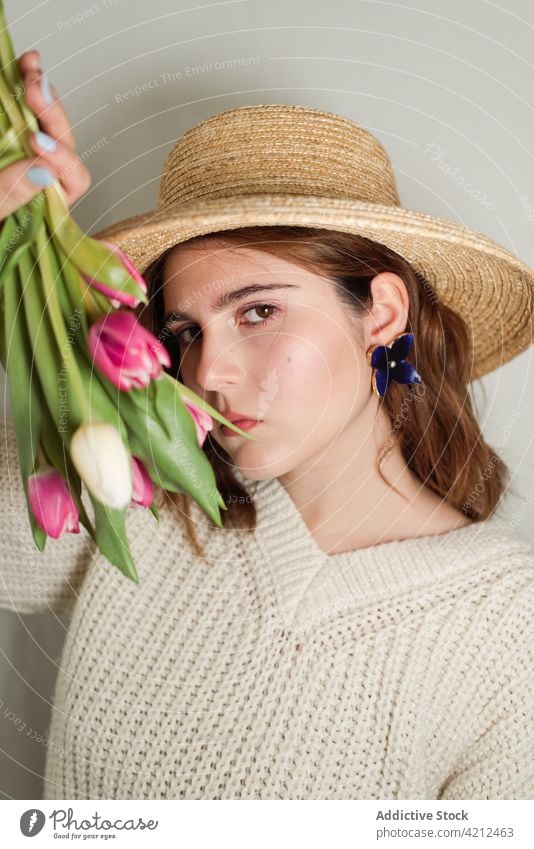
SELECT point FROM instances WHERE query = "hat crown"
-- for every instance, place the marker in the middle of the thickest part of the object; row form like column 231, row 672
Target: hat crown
column 277, row 149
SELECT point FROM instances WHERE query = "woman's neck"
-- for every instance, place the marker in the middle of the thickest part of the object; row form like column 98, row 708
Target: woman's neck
column 347, row 505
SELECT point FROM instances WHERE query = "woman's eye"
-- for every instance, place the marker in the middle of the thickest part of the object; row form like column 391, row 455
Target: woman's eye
column 180, row 336
column 260, row 310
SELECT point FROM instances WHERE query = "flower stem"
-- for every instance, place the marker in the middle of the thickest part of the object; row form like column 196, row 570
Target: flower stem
column 52, row 306
column 13, row 113
column 12, row 86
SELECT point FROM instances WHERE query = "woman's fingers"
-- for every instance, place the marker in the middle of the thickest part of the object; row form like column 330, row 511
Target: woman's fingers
column 62, row 162
column 22, row 180
column 16, row 186
column 53, row 147
column 43, row 100
column 29, row 61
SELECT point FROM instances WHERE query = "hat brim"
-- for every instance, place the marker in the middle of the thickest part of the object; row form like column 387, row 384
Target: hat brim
column 487, row 285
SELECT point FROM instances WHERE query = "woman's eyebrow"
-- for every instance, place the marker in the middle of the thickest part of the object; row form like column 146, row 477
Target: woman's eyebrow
column 230, row 297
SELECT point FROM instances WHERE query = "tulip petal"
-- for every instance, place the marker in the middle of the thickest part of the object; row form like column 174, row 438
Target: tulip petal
column 52, row 503
column 117, row 297
column 143, row 488
column 103, row 462
column 125, row 351
column 128, row 264
column 203, row 421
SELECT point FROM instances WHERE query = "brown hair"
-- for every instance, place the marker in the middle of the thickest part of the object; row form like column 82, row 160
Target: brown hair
column 434, row 424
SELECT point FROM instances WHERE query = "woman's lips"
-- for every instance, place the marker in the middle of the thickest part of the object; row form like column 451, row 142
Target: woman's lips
column 244, row 424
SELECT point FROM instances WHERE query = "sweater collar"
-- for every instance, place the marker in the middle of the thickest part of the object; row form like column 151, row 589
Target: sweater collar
column 309, row 582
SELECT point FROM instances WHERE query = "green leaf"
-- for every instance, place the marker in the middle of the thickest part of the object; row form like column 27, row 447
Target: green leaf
column 25, row 408
column 11, row 156
column 67, row 288
column 57, row 456
column 10, row 92
column 19, row 112
column 73, row 282
column 165, row 395
column 111, row 538
column 103, row 407
column 8, row 233
column 73, row 391
column 89, row 255
column 157, row 400
column 28, row 222
column 75, row 359
column 46, row 352
column 10, row 143
column 56, row 356
column 193, row 398
column 176, row 463
column 10, row 69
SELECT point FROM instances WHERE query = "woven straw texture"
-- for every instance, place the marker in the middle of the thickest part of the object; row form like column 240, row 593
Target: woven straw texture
column 278, row 164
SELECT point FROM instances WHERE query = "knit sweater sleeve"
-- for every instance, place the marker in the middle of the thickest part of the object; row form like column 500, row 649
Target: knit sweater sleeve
column 498, row 761
column 500, row 764
column 32, row 581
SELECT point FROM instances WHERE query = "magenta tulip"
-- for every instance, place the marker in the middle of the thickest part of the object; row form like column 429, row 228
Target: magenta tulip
column 203, row 421
column 116, row 296
column 125, row 351
column 52, row 503
column 143, row 488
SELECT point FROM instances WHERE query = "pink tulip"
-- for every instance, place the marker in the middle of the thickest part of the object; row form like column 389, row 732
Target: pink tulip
column 125, row 351
column 203, row 421
column 143, row 489
column 116, row 296
column 52, row 503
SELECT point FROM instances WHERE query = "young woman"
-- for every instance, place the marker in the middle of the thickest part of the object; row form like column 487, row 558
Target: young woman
column 361, row 627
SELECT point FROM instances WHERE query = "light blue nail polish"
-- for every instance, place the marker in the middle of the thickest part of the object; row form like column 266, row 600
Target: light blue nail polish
column 40, row 176
column 45, row 88
column 45, row 141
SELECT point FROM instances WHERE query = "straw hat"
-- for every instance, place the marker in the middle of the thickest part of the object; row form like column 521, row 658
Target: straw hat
column 278, row 164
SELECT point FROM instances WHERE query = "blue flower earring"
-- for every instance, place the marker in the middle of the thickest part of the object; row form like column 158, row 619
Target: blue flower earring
column 389, row 363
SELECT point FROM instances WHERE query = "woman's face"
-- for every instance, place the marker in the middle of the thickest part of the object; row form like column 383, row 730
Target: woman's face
column 286, row 356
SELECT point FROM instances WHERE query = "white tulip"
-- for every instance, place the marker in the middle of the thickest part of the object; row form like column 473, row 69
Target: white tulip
column 103, row 463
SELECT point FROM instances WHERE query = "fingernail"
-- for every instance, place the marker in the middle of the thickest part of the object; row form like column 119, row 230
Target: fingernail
column 45, row 141
column 45, row 88
column 40, row 176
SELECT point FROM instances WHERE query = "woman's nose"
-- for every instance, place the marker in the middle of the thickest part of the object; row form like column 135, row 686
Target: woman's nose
column 219, row 363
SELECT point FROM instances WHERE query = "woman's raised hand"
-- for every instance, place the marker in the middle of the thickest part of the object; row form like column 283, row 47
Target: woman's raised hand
column 54, row 146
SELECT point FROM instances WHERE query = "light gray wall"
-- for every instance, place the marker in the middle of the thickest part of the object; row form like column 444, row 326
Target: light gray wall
column 458, row 76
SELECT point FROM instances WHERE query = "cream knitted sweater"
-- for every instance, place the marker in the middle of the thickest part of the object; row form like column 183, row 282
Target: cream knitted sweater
column 271, row 670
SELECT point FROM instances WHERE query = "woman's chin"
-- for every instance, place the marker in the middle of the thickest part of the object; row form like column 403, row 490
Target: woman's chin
column 253, row 474
column 255, row 462
column 261, row 469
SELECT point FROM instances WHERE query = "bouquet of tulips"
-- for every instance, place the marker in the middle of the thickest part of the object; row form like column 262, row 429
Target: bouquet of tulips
column 89, row 398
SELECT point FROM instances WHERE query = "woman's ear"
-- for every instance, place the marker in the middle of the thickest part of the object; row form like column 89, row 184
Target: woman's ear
column 388, row 315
